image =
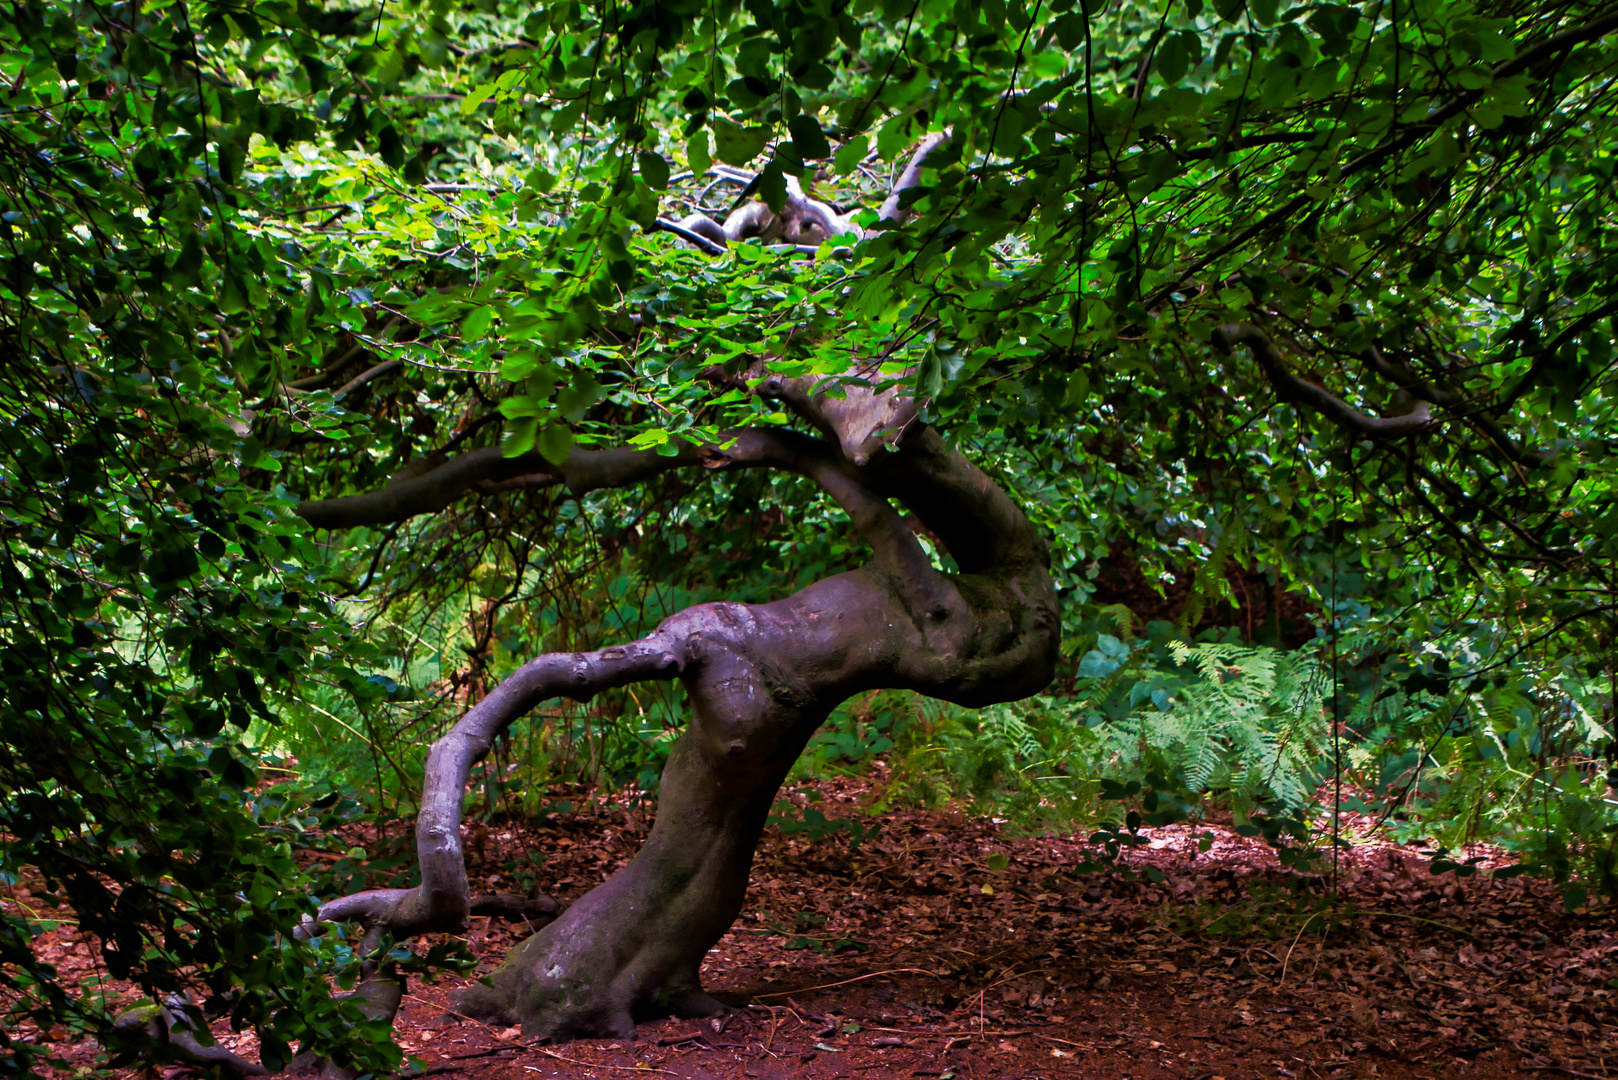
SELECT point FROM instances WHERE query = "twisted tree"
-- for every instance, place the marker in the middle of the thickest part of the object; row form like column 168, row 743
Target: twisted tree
column 760, row 677
column 1334, row 271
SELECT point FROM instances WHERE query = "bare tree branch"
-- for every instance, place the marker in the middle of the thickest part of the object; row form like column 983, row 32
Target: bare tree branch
column 1303, row 392
column 1422, row 389
column 442, row 902
column 374, row 372
column 892, row 207
column 803, row 220
column 700, row 231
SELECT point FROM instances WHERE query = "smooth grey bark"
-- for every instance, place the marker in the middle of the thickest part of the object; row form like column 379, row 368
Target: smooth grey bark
column 761, row 678
column 803, row 220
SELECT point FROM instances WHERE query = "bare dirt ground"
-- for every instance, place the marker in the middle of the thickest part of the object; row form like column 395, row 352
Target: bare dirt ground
column 946, row 947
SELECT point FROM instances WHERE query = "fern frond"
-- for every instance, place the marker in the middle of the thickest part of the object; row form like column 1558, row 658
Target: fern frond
column 1254, row 714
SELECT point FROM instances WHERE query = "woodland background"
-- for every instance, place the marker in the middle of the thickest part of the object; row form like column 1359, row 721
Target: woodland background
column 260, row 252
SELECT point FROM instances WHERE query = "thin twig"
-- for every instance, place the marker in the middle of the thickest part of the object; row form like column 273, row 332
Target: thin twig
column 450, row 1066
column 1294, row 945
column 593, row 1065
column 845, row 982
column 1564, row 1069
column 1064, row 1042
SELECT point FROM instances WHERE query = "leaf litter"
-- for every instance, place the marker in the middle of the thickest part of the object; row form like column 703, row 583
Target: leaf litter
column 947, row 946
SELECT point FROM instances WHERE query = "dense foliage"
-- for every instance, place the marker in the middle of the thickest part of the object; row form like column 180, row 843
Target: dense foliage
column 263, row 251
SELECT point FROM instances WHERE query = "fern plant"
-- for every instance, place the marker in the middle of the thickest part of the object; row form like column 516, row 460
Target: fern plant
column 1251, row 722
column 1026, row 761
column 1248, row 722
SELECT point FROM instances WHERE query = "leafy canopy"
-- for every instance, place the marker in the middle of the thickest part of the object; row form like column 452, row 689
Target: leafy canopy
column 256, row 251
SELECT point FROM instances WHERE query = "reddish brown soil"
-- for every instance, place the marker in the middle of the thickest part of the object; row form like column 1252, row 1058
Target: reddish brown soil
column 947, row 947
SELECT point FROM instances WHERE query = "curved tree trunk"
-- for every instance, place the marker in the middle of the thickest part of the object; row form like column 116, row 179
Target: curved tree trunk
column 761, row 678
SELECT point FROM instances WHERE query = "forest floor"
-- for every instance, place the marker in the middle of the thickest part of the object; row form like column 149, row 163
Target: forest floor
column 949, row 947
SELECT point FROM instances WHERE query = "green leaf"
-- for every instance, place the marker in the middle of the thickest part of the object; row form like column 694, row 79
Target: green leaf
column 575, row 399
column 697, row 155
column 849, row 155
column 231, row 297
column 475, row 97
column 519, row 437
column 1095, row 665
column 389, row 147
column 555, row 443
column 232, row 155
column 738, row 145
column 476, row 323
column 518, row 365
column 930, row 374
column 807, row 136
column 1172, row 58
column 1112, row 647
column 772, row 185
column 894, row 135
column 654, row 170
column 520, row 405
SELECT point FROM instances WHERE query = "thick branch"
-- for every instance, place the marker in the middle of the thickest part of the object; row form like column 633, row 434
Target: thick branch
column 1423, row 390
column 1299, row 390
column 861, row 420
column 583, row 471
column 169, row 1024
column 516, row 907
column 487, row 468
column 442, row 902
column 1401, row 376
column 698, row 230
column 850, row 409
column 803, row 221
column 893, row 208
column 425, row 494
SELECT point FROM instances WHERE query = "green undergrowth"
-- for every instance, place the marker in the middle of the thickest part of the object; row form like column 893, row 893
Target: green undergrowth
column 1155, row 729
column 1175, row 729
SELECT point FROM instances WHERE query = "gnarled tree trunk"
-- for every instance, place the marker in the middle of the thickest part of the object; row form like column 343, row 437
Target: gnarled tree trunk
column 760, row 677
